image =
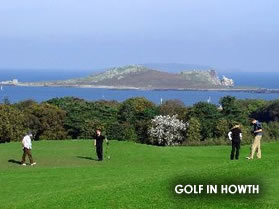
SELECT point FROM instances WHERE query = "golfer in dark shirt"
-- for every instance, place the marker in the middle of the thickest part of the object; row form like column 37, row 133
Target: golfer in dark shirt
column 235, row 135
column 256, row 146
column 98, row 142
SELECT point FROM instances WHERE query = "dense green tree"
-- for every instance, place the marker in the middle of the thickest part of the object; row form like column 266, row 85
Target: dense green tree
column 231, row 110
column 250, row 106
column 247, row 135
column 79, row 112
column 31, row 121
column 25, row 105
column 271, row 130
column 88, row 129
column 270, row 112
column 12, row 126
column 208, row 115
column 115, row 131
column 138, row 112
column 49, row 121
column 173, row 107
column 121, row 132
column 193, row 134
column 45, row 121
column 70, row 117
column 137, row 108
column 222, row 128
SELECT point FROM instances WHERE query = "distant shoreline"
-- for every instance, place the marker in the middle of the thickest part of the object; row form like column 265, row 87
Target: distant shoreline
column 232, row 89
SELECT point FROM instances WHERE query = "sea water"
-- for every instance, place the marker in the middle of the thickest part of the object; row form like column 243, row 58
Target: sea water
column 39, row 94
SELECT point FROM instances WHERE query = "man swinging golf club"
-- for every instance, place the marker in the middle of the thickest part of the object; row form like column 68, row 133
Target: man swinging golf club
column 256, row 146
column 27, row 146
column 98, row 142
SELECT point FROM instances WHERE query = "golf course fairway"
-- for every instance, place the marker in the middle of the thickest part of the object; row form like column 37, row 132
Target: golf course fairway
column 68, row 176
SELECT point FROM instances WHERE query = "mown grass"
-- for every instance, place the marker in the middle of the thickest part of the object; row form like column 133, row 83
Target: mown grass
column 137, row 176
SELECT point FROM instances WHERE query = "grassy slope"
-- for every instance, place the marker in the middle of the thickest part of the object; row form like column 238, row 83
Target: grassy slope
column 136, row 176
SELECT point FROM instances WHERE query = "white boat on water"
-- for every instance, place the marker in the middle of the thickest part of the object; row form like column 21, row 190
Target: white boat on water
column 209, row 100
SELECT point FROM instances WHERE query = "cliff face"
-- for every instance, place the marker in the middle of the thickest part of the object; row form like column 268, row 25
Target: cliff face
column 207, row 77
column 137, row 76
column 227, row 81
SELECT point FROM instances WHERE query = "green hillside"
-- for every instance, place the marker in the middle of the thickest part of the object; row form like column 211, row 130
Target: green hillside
column 136, row 176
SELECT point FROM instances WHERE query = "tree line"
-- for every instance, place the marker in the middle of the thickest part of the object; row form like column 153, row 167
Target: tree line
column 137, row 119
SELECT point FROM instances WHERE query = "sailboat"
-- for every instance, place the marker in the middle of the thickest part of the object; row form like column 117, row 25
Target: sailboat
column 1, row 88
column 209, row 100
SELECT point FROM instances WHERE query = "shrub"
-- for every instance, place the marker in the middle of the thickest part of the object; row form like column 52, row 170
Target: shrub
column 166, row 130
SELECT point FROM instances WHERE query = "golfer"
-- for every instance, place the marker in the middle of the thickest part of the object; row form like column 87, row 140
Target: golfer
column 27, row 146
column 235, row 135
column 98, row 142
column 256, row 146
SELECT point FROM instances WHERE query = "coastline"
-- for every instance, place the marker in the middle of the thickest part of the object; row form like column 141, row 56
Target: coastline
column 231, row 89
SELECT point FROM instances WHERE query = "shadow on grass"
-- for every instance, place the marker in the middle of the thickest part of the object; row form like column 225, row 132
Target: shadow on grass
column 14, row 161
column 87, row 158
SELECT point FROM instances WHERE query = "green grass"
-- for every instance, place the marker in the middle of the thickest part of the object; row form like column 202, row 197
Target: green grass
column 136, row 176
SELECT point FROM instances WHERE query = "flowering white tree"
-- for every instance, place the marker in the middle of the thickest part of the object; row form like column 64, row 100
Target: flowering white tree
column 166, row 130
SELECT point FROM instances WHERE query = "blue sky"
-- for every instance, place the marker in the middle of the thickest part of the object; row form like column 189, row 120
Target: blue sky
column 92, row 34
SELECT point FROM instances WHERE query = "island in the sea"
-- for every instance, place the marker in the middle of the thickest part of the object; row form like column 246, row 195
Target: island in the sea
column 145, row 78
column 140, row 77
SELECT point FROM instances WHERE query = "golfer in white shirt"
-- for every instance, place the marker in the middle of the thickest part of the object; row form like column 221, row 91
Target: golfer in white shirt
column 27, row 146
